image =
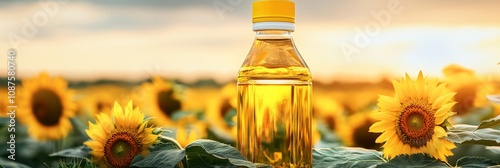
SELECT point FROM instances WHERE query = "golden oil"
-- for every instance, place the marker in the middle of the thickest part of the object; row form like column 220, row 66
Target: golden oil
column 274, row 103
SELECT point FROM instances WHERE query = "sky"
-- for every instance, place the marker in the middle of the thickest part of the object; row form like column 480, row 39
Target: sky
column 351, row 40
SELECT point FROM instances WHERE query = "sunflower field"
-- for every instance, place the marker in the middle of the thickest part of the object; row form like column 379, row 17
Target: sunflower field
column 411, row 121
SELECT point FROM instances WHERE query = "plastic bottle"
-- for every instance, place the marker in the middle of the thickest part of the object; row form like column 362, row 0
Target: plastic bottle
column 274, row 92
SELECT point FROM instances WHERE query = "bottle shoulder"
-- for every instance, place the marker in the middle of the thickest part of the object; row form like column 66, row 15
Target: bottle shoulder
column 274, row 53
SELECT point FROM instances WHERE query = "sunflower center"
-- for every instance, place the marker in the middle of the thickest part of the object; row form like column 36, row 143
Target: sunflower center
column 46, row 107
column 168, row 105
column 416, row 124
column 121, row 148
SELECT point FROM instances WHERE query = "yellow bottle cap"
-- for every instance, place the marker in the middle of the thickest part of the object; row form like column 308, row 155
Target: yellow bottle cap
column 273, row 11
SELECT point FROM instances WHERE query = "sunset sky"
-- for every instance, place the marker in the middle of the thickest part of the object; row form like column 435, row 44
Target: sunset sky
column 200, row 39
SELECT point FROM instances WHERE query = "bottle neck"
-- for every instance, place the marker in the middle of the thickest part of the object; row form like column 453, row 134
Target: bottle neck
column 285, row 26
column 273, row 34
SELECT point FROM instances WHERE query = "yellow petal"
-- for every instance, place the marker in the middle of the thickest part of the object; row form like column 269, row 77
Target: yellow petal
column 441, row 119
column 388, row 116
column 420, row 84
column 410, row 86
column 440, row 132
column 444, row 109
column 441, row 100
column 381, row 126
column 384, row 137
column 435, row 92
column 388, row 103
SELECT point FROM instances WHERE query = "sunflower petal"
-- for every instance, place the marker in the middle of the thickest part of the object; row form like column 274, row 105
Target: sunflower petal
column 387, row 103
column 384, row 116
column 384, row 137
column 440, row 101
column 440, row 132
column 381, row 126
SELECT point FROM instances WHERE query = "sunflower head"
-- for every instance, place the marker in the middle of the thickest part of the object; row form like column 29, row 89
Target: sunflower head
column 45, row 107
column 355, row 130
column 413, row 121
column 160, row 99
column 116, row 140
column 97, row 99
column 329, row 111
column 221, row 110
column 467, row 85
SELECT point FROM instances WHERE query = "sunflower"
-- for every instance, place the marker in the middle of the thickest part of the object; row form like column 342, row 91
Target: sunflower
column 45, row 107
column 118, row 139
column 160, row 99
column 356, row 133
column 328, row 112
column 221, row 111
column 471, row 90
column 97, row 99
column 414, row 120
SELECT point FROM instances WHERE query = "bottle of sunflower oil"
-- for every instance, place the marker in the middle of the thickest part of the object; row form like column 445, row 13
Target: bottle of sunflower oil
column 274, row 92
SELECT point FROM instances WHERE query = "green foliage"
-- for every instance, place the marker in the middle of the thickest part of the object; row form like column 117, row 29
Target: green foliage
column 76, row 163
column 415, row 160
column 228, row 118
column 200, row 153
column 491, row 123
column 80, row 152
column 328, row 137
column 167, row 153
column 11, row 164
column 470, row 134
column 346, row 157
column 487, row 133
column 474, row 162
column 208, row 153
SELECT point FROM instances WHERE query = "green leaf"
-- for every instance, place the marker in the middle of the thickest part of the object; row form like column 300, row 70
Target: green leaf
column 469, row 134
column 491, row 123
column 494, row 149
column 177, row 115
column 346, row 157
column 11, row 164
column 228, row 118
column 415, row 160
column 78, row 126
column 328, row 137
column 167, row 142
column 160, row 158
column 166, row 153
column 77, row 152
column 208, row 153
column 474, row 162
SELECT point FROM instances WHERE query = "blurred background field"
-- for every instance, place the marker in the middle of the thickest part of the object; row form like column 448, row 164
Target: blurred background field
column 206, row 109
